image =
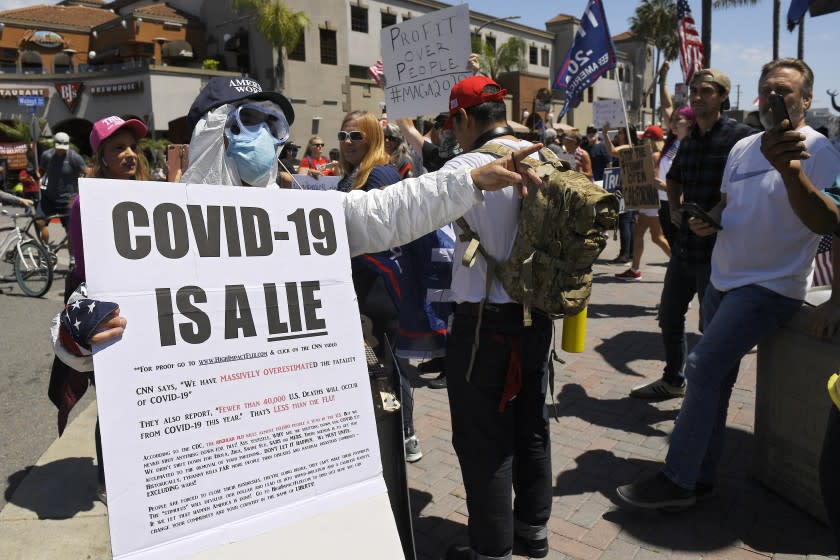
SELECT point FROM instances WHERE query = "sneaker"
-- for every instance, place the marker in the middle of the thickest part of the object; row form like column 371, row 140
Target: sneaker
column 430, row 366
column 101, row 494
column 621, row 259
column 533, row 548
column 657, row 492
column 438, row 382
column 413, row 453
column 630, row 274
column 659, row 389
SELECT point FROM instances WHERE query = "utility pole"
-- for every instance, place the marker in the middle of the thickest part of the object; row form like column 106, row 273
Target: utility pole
column 737, row 97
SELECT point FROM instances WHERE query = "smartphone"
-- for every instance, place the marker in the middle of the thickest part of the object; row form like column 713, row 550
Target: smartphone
column 777, row 103
column 695, row 211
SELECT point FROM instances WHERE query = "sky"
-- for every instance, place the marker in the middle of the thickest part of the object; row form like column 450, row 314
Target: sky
column 741, row 37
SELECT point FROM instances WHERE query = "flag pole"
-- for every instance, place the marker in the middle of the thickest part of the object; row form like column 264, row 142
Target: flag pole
column 624, row 110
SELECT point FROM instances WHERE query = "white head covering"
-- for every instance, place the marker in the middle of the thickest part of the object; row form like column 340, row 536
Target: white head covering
column 209, row 163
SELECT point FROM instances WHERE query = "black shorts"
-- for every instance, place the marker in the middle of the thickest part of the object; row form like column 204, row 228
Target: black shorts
column 49, row 207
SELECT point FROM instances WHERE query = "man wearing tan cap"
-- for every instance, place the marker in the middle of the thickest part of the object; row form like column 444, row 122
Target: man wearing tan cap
column 695, row 176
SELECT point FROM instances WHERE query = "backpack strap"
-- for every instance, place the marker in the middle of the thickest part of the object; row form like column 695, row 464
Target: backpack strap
column 469, row 236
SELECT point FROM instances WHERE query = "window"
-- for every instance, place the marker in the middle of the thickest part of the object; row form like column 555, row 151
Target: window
column 651, row 101
column 329, row 49
column 359, row 19
column 589, row 95
column 621, row 73
column 532, row 55
column 299, row 52
column 492, row 42
column 359, row 72
column 545, row 57
column 62, row 63
column 388, row 19
column 30, row 62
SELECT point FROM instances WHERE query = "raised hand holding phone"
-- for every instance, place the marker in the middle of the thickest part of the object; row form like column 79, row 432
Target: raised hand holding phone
column 782, row 145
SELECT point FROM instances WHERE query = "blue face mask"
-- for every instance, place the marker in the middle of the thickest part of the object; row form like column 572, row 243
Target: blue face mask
column 254, row 155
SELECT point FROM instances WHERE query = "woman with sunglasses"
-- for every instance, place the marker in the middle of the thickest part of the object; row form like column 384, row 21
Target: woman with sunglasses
column 314, row 163
column 397, row 150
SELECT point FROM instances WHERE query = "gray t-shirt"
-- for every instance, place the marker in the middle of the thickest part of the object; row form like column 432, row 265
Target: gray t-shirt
column 62, row 173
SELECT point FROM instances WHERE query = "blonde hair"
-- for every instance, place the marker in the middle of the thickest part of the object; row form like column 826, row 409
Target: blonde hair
column 143, row 172
column 375, row 141
column 308, row 152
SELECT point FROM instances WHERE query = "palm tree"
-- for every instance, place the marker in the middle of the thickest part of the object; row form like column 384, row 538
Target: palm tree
column 654, row 22
column 511, row 54
column 280, row 25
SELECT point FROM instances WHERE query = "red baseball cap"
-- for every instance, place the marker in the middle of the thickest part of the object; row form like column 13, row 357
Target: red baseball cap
column 104, row 128
column 469, row 92
column 654, row 132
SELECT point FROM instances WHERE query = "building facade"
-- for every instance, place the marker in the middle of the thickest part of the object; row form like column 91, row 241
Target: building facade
column 77, row 61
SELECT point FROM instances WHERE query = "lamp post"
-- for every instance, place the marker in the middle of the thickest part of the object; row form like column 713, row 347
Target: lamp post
column 494, row 20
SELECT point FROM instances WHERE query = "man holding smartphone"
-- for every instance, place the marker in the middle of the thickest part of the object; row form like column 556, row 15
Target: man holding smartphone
column 695, row 177
column 772, row 216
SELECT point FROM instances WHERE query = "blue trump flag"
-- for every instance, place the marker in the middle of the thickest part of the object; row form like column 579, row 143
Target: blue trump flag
column 592, row 54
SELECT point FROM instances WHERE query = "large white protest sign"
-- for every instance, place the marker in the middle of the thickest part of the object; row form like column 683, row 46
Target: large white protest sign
column 237, row 405
column 422, row 59
column 608, row 112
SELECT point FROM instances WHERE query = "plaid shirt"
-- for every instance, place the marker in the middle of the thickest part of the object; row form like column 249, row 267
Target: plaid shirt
column 698, row 167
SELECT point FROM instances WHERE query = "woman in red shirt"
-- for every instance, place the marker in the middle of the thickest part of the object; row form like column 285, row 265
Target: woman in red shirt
column 314, row 163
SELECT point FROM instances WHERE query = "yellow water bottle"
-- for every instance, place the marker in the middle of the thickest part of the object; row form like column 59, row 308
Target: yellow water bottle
column 574, row 332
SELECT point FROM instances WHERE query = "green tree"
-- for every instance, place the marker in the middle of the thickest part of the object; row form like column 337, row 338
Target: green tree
column 279, row 24
column 654, row 22
column 511, row 54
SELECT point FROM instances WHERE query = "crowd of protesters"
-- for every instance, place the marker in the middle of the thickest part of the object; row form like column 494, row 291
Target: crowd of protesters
column 430, row 309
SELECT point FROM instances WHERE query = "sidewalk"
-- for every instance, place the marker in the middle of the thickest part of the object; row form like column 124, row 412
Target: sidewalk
column 602, row 439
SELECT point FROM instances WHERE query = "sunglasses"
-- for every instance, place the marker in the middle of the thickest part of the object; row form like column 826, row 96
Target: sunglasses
column 316, row 145
column 354, row 135
column 248, row 120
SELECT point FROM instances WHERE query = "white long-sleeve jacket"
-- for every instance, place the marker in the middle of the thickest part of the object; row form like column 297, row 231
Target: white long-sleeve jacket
column 376, row 220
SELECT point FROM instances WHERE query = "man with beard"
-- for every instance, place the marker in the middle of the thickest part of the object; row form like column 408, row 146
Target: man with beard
column 771, row 213
column 695, row 176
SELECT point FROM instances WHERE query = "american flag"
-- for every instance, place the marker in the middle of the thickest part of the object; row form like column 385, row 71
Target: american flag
column 691, row 49
column 376, row 72
column 823, row 272
column 79, row 321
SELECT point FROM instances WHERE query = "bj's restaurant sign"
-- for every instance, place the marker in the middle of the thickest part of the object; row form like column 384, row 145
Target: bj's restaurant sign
column 15, row 92
column 116, row 89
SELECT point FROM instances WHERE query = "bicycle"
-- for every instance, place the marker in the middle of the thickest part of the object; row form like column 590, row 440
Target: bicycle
column 51, row 247
column 28, row 259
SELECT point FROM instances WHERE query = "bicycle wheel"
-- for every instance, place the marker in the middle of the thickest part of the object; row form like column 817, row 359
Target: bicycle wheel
column 8, row 252
column 32, row 269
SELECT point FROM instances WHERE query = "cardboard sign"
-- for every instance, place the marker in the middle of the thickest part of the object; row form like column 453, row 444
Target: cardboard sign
column 638, row 177
column 236, row 410
column 608, row 112
column 422, row 59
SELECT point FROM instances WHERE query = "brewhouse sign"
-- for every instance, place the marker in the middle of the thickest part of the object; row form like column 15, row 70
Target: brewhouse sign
column 69, row 93
column 47, row 39
column 9, row 92
column 116, row 89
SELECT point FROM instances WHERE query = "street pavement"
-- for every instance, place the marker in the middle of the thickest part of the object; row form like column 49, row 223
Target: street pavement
column 601, row 439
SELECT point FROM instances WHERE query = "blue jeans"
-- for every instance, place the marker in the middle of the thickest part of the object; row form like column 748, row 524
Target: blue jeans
column 735, row 321
column 625, row 233
column 682, row 281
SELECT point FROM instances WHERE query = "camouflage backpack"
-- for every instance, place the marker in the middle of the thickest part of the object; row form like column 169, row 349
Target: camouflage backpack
column 562, row 225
